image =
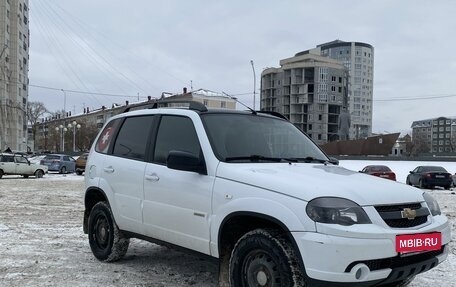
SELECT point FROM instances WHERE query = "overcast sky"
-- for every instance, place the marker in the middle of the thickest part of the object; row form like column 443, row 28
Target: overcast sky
column 142, row 48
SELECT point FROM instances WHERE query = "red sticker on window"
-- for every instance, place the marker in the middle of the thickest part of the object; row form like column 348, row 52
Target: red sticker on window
column 105, row 139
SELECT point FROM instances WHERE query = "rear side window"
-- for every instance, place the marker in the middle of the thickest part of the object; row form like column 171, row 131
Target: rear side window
column 106, row 136
column 175, row 133
column 133, row 138
column 7, row 158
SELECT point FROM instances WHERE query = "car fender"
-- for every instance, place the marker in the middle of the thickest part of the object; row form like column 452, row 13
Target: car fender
column 283, row 210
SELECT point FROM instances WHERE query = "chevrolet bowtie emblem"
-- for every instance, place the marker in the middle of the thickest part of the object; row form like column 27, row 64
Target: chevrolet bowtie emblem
column 408, row 213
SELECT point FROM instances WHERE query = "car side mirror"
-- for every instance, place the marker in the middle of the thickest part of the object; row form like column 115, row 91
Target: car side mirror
column 411, row 172
column 334, row 161
column 185, row 161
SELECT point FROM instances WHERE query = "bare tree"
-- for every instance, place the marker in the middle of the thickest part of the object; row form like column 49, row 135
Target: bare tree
column 35, row 111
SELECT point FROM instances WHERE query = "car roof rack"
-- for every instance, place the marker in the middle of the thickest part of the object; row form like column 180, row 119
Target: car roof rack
column 276, row 114
column 192, row 105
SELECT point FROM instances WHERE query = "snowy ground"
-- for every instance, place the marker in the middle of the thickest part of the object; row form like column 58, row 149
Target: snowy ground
column 42, row 243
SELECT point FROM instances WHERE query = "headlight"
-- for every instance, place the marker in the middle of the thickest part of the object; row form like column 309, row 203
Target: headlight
column 432, row 204
column 334, row 210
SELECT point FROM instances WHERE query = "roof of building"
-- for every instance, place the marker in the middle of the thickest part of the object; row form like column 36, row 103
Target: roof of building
column 428, row 122
column 376, row 145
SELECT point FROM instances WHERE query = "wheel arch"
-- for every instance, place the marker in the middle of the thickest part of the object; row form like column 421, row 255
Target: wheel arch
column 236, row 224
column 92, row 196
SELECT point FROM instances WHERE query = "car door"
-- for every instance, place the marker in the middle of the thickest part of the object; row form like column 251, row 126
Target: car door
column 415, row 176
column 177, row 204
column 22, row 166
column 7, row 164
column 124, row 169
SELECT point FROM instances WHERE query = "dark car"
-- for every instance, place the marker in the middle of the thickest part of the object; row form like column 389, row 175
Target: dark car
column 59, row 162
column 379, row 170
column 81, row 163
column 429, row 177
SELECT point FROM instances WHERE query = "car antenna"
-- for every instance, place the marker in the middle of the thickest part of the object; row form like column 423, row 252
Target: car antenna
column 237, row 101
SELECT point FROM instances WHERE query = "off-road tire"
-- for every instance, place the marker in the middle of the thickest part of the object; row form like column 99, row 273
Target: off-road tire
column 106, row 241
column 265, row 257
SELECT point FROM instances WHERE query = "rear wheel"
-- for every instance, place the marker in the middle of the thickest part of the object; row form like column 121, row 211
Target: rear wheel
column 264, row 257
column 1, row 173
column 78, row 172
column 421, row 184
column 105, row 238
column 25, row 175
column 39, row 173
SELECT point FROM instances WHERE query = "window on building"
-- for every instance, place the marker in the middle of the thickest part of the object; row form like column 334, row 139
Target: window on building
column 223, row 105
column 319, row 136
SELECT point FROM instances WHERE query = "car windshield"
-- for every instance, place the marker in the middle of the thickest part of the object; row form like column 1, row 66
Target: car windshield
column 434, row 168
column 249, row 137
column 379, row 168
column 52, row 157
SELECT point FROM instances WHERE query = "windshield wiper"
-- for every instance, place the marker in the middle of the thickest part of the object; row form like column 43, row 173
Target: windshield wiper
column 308, row 159
column 254, row 157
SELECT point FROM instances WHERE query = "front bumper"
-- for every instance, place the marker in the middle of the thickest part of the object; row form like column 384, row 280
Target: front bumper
column 365, row 254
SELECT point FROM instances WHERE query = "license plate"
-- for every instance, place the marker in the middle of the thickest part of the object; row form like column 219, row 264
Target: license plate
column 439, row 176
column 418, row 242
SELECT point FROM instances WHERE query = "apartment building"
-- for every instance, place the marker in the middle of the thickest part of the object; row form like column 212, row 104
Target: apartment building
column 353, row 62
column 14, row 61
column 358, row 59
column 311, row 91
column 436, row 135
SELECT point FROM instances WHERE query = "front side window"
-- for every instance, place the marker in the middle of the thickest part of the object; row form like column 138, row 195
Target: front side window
column 175, row 133
column 133, row 137
column 247, row 137
column 20, row 159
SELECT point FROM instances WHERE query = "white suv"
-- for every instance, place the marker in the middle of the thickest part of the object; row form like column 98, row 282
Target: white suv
column 252, row 190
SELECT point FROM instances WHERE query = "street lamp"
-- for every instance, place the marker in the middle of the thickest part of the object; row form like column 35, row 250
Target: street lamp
column 75, row 126
column 62, row 130
column 254, row 84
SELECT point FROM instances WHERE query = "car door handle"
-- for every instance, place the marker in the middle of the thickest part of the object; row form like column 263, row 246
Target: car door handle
column 152, row 177
column 109, row 169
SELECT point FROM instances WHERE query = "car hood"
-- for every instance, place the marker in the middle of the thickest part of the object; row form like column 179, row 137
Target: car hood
column 307, row 181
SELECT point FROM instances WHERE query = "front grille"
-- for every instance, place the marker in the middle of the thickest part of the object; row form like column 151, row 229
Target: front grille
column 392, row 215
column 397, row 261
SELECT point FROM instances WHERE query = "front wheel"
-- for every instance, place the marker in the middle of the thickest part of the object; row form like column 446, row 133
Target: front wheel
column 63, row 170
column 105, row 238
column 264, row 257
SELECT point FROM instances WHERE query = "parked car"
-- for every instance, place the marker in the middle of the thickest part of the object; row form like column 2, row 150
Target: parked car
column 17, row 164
column 429, row 177
column 81, row 163
column 59, row 162
column 379, row 170
column 255, row 192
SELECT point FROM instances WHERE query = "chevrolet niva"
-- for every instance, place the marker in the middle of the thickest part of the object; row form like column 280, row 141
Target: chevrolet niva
column 254, row 191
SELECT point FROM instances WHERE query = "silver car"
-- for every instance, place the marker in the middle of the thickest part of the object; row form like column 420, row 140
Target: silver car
column 59, row 162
